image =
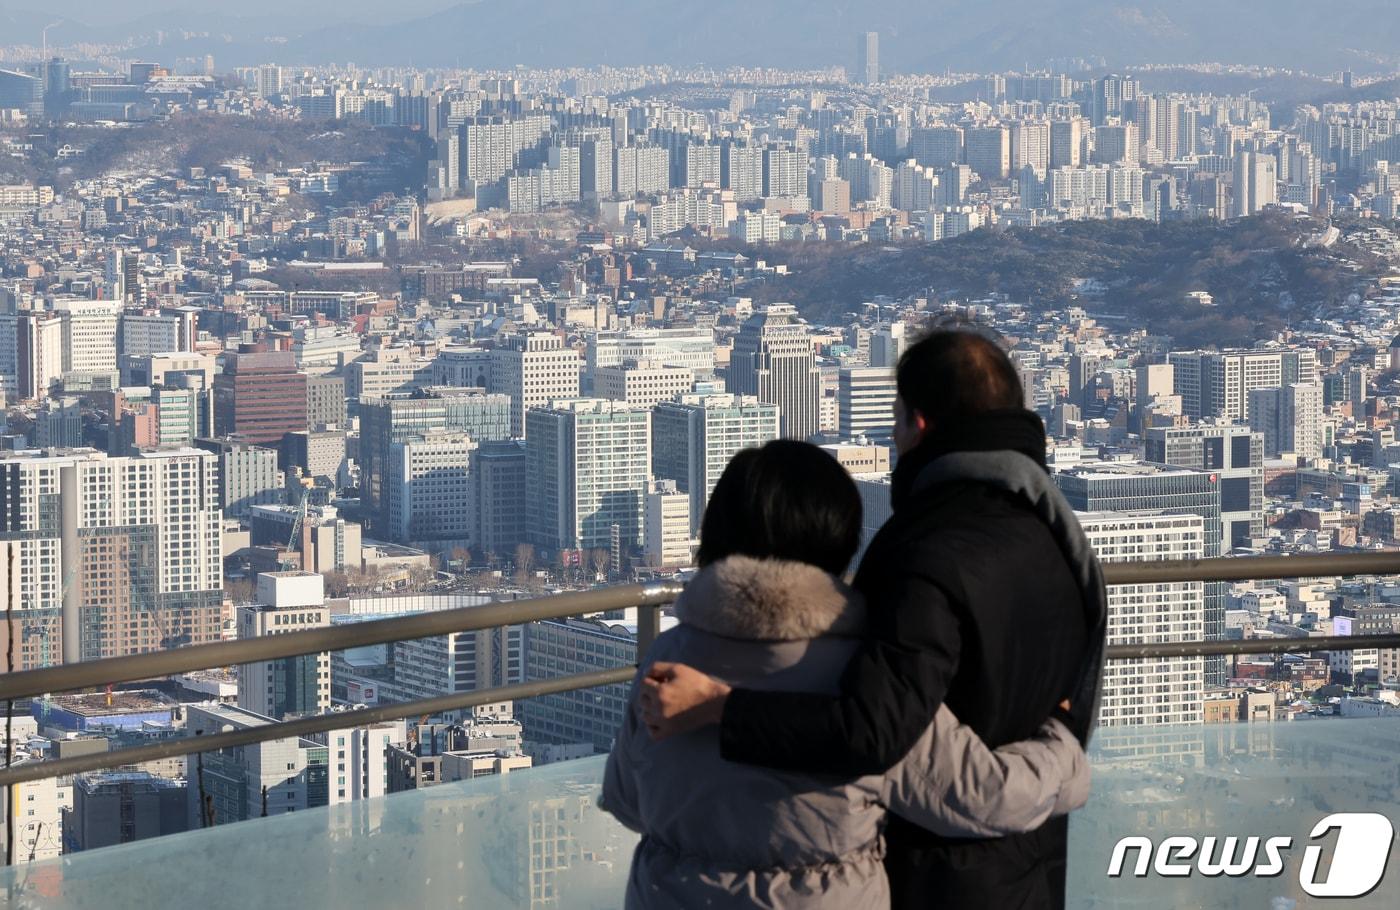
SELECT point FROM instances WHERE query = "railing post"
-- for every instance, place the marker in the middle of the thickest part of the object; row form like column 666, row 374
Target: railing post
column 648, row 628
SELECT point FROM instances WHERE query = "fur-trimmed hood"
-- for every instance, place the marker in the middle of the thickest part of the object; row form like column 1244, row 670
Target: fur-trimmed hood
column 770, row 600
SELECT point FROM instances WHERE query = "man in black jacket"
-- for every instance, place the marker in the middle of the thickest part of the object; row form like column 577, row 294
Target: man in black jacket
column 974, row 601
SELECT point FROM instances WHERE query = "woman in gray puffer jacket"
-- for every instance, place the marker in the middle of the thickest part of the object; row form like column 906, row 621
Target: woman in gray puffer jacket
column 767, row 610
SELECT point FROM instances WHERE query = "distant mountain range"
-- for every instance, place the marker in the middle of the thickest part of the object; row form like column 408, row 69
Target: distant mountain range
column 916, row 35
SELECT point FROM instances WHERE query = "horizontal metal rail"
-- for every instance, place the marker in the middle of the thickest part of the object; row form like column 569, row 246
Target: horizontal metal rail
column 1251, row 646
column 65, row 677
column 32, row 683
column 1253, row 568
column 305, row 726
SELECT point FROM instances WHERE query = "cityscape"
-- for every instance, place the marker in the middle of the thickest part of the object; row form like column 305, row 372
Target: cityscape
column 298, row 346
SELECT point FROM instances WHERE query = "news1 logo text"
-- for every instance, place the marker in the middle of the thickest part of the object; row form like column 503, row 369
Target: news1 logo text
column 1358, row 859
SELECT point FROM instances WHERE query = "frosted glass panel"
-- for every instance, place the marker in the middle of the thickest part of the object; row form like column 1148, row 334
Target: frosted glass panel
column 535, row 839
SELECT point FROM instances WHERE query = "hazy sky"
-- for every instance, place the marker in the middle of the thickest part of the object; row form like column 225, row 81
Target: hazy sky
column 298, row 12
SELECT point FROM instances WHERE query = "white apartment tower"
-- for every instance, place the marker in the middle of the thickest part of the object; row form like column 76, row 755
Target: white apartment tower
column 694, row 437
column 114, row 556
column 1170, row 690
column 1290, row 417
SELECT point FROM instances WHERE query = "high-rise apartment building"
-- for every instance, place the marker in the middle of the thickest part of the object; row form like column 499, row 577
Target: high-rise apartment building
column 1067, row 142
column 113, row 556
column 587, row 472
column 1290, row 419
column 773, row 360
column 988, row 151
column 1218, row 383
column 1170, row 690
column 694, row 437
column 287, row 687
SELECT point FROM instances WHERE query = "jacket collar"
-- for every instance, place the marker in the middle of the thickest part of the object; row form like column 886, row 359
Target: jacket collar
column 769, row 600
column 995, row 431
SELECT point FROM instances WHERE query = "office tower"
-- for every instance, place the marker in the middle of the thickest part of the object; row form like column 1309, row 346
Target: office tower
column 1290, row 419
column 1066, row 142
column 773, row 360
column 325, row 401
column 1218, row 383
column 742, row 171
column 694, row 437
column 58, row 423
column 58, row 86
column 1083, row 367
column 387, row 371
column 118, row 807
column 260, row 397
column 113, row 556
column 287, row 687
column 587, row 471
column 666, row 536
column 887, row 344
column 784, row 172
column 248, row 475
column 19, row 91
column 936, row 146
column 356, row 759
column 1116, row 144
column 1255, row 183
column 642, row 382
column 408, row 446
column 159, row 332
column 426, row 492
column 1030, row 146
column 567, row 646
column 90, row 335
column 1141, row 487
column 692, row 349
column 865, row 400
column 868, row 58
column 1232, row 453
column 1165, row 691
column 318, row 454
column 533, row 368
column 988, row 151
column 1153, row 381
column 272, row 777
column 499, row 489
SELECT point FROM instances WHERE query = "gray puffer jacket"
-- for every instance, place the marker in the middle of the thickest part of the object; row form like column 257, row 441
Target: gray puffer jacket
column 717, row 834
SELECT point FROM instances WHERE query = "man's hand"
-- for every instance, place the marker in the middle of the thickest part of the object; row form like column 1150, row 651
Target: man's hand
column 676, row 699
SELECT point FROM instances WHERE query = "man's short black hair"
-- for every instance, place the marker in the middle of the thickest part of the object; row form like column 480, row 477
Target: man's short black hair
column 787, row 500
column 953, row 373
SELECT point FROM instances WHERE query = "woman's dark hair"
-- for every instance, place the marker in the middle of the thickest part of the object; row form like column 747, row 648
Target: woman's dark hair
column 954, row 373
column 787, row 500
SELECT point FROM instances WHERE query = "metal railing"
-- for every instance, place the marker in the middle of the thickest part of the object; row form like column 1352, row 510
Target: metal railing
column 649, row 598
